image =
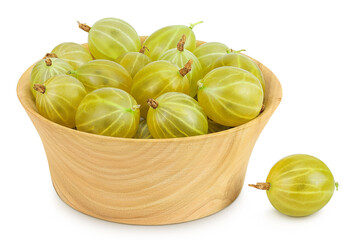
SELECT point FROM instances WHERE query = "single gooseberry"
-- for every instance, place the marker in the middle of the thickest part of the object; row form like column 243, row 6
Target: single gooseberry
column 157, row 78
column 134, row 61
column 299, row 185
column 108, row 111
column 58, row 98
column 180, row 56
column 237, row 59
column 109, row 38
column 47, row 68
column 103, row 73
column 167, row 38
column 143, row 130
column 73, row 53
column 230, row 96
column 174, row 115
column 207, row 54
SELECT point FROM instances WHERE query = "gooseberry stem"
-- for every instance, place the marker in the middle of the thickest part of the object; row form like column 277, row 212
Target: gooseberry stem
column 134, row 107
column 181, row 43
column 84, row 27
column 39, row 88
column 50, row 55
column 261, row 185
column 48, row 62
column 142, row 50
column 152, row 103
column 200, row 84
column 192, row 25
column 337, row 186
column 235, row 51
column 262, row 108
column 187, row 68
column 72, row 72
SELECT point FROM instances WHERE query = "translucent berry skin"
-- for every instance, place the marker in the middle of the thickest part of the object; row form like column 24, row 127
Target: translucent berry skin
column 42, row 72
column 230, row 96
column 103, row 73
column 241, row 61
column 108, row 111
column 155, row 79
column 73, row 53
column 177, row 115
column 61, row 99
column 167, row 38
column 180, row 58
column 300, row 185
column 215, row 127
column 208, row 53
column 143, row 131
column 133, row 62
column 109, row 38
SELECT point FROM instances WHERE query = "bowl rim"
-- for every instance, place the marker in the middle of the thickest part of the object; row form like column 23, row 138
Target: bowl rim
column 268, row 110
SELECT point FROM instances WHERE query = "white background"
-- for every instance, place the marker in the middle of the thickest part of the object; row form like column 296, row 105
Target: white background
column 312, row 46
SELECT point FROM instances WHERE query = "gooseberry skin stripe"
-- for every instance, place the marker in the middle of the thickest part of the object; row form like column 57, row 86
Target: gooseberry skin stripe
column 119, row 21
column 148, row 76
column 112, row 39
column 170, row 123
column 96, row 50
column 113, row 123
column 129, row 39
column 171, row 40
column 185, row 124
column 133, row 62
column 104, row 73
column 73, row 53
column 208, row 53
column 133, row 66
column 241, row 61
column 98, row 119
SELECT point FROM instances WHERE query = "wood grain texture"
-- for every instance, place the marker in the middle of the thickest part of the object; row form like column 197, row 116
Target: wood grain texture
column 149, row 181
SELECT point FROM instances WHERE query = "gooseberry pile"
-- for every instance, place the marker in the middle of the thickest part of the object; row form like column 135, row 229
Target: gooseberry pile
column 165, row 86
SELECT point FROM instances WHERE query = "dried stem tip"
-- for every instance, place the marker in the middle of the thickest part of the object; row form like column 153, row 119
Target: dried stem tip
column 39, row 87
column 84, row 27
column 48, row 62
column 262, row 108
column 142, row 50
column 152, row 103
column 50, row 55
column 181, row 43
column 186, row 69
column 261, row 186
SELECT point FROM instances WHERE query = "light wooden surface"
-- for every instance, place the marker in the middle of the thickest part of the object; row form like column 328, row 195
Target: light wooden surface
column 149, row 181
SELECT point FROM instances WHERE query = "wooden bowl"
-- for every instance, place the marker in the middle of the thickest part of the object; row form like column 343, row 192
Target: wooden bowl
column 149, row 181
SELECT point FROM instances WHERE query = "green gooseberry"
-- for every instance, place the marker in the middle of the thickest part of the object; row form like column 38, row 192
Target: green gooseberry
column 299, row 185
